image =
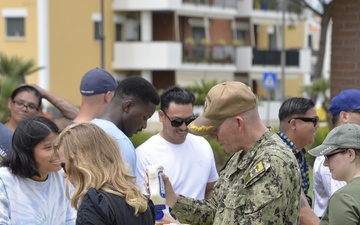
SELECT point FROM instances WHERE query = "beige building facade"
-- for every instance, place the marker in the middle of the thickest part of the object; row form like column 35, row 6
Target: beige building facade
column 166, row 41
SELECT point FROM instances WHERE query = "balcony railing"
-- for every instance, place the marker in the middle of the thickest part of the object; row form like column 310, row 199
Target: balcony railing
column 218, row 3
column 273, row 57
column 209, row 54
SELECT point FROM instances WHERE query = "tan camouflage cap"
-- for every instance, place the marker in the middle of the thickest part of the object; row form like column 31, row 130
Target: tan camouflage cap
column 223, row 101
column 343, row 136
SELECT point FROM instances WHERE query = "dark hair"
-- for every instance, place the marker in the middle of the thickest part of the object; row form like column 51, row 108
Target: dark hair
column 295, row 106
column 27, row 88
column 177, row 95
column 335, row 119
column 138, row 88
column 27, row 135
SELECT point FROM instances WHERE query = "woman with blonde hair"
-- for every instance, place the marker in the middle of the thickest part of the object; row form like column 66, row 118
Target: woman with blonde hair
column 104, row 189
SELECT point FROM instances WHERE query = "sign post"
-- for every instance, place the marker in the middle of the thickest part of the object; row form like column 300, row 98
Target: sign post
column 269, row 82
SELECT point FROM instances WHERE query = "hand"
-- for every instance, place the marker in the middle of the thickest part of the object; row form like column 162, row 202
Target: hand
column 146, row 183
column 40, row 89
column 171, row 196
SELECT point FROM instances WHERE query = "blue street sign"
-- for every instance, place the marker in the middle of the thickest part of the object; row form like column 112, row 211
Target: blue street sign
column 269, row 80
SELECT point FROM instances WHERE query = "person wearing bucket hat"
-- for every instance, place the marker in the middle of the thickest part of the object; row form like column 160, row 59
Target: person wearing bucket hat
column 341, row 149
column 344, row 108
column 97, row 88
column 260, row 183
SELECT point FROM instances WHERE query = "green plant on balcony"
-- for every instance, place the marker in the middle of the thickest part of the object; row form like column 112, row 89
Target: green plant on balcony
column 237, row 42
column 205, row 42
column 221, row 42
column 189, row 42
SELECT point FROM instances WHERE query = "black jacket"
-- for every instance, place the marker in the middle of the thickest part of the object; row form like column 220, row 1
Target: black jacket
column 95, row 210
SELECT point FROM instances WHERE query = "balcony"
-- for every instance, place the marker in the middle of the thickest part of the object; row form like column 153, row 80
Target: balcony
column 221, row 54
column 147, row 55
column 140, row 5
column 262, row 13
column 249, row 59
column 213, row 8
column 215, row 3
column 273, row 57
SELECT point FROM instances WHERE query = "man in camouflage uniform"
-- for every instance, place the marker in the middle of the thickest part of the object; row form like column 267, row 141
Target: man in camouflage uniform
column 260, row 184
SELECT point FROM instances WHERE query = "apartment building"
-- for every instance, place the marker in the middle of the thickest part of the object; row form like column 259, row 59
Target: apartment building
column 166, row 41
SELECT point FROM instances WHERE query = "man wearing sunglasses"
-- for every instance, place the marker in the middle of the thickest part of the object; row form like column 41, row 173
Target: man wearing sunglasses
column 187, row 159
column 344, row 108
column 298, row 125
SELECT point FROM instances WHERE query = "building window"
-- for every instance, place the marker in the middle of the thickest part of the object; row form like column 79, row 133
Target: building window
column 118, row 32
column 97, row 31
column 14, row 20
column 15, row 27
column 96, row 19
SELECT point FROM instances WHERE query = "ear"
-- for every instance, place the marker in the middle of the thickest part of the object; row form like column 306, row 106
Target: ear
column 108, row 96
column 161, row 116
column 9, row 103
column 344, row 116
column 239, row 122
column 351, row 154
column 292, row 124
column 127, row 105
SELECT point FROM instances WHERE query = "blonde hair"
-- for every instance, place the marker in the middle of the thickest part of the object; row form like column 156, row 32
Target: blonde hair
column 93, row 160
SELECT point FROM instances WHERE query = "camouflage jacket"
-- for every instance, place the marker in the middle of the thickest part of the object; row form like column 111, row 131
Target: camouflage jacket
column 259, row 187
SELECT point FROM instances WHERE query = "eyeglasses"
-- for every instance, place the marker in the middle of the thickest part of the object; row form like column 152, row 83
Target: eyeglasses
column 63, row 165
column 20, row 105
column 328, row 156
column 178, row 121
column 314, row 120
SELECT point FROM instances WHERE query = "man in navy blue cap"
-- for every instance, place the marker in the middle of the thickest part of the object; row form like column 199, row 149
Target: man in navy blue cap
column 344, row 108
column 97, row 89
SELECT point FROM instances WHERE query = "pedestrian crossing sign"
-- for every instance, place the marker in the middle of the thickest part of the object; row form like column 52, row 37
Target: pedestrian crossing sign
column 269, row 80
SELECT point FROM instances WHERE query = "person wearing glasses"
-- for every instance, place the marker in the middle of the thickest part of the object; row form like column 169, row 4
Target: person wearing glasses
column 344, row 108
column 134, row 103
column 298, row 125
column 341, row 151
column 25, row 102
column 105, row 192
column 187, row 159
column 32, row 187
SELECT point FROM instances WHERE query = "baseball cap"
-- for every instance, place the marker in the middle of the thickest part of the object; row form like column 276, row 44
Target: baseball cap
column 97, row 81
column 343, row 136
column 223, row 101
column 345, row 101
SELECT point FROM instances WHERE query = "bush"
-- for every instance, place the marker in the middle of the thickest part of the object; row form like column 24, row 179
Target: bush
column 321, row 133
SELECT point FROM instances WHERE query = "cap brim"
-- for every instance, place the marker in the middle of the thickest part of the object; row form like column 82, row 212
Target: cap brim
column 202, row 126
column 322, row 150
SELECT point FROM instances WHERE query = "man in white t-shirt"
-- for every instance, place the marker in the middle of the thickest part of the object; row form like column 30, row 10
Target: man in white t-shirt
column 344, row 108
column 188, row 160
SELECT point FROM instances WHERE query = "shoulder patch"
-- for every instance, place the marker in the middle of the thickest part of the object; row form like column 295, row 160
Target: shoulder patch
column 255, row 172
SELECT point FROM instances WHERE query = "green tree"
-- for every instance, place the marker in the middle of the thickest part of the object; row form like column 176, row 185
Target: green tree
column 320, row 86
column 200, row 89
column 13, row 71
column 321, row 8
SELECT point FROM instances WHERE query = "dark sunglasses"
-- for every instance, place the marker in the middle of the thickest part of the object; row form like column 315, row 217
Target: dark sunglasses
column 328, row 156
column 63, row 166
column 178, row 122
column 314, row 120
